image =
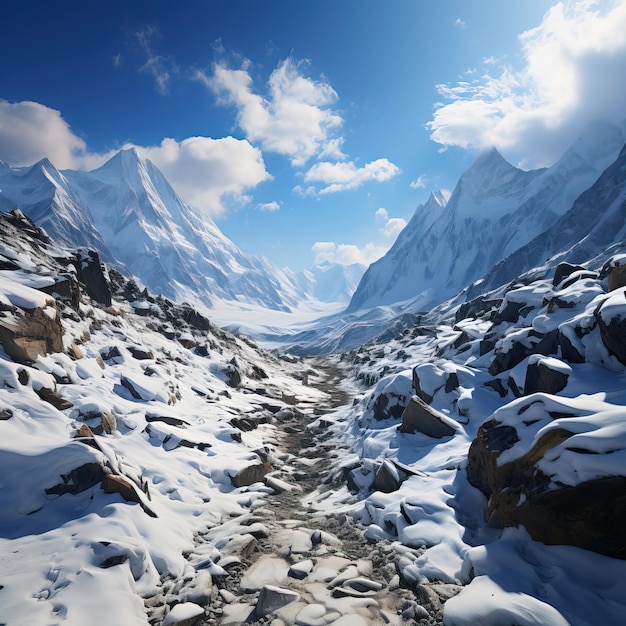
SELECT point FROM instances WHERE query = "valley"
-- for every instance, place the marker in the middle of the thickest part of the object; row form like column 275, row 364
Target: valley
column 456, row 457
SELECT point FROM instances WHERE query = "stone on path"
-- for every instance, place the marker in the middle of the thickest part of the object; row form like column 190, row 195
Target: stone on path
column 183, row 614
column 267, row 570
column 301, row 570
column 273, row 598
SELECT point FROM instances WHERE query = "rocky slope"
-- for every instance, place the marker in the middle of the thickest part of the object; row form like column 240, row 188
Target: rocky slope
column 490, row 438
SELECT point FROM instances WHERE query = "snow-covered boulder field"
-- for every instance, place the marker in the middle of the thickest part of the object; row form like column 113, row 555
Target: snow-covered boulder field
column 124, row 436
column 518, row 496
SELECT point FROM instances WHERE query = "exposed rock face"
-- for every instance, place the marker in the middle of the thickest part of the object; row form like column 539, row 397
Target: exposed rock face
column 30, row 333
column 419, row 417
column 233, row 375
column 89, row 273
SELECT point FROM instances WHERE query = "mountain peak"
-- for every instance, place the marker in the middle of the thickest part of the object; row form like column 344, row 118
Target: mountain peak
column 439, row 197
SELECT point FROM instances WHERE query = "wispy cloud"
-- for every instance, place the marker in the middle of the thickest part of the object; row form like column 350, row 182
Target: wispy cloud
column 344, row 175
column 419, row 182
column 572, row 64
column 459, row 23
column 269, row 206
column 295, row 118
column 159, row 67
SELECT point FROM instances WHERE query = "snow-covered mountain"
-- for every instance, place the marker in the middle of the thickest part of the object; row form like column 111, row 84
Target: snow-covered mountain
column 331, row 282
column 127, row 210
column 595, row 226
column 494, row 209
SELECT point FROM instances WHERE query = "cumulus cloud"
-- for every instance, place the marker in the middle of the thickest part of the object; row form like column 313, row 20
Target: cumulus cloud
column 30, row 131
column 295, row 119
column 346, row 254
column 344, row 175
column 459, row 23
column 209, row 173
column 382, row 214
column 570, row 75
column 393, row 227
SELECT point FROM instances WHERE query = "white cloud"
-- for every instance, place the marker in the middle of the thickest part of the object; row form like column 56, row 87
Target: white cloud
column 346, row 254
column 269, row 206
column 459, row 23
column 419, row 182
column 30, row 131
column 382, row 214
column 572, row 68
column 393, row 227
column 295, row 119
column 346, row 175
column 209, row 173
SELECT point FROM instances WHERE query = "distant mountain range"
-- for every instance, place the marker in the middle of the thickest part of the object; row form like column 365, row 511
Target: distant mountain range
column 128, row 211
column 498, row 223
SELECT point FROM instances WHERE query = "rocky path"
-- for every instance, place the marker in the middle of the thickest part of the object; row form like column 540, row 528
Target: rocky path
column 285, row 563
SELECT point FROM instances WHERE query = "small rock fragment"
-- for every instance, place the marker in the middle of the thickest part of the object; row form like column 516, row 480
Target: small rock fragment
column 273, row 598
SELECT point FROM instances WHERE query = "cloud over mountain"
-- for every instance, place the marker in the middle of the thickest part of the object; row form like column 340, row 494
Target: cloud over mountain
column 572, row 64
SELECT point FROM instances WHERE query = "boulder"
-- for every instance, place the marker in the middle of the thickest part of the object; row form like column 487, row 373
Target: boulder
column 5, row 414
column 563, row 270
column 112, row 483
column 419, row 417
column 428, row 378
column 251, row 474
column 30, row 333
column 233, row 375
column 387, row 478
column 53, row 398
column 78, row 479
column 491, row 441
column 611, row 318
column 184, row 614
column 391, row 397
column 546, row 375
column 141, row 354
column 590, row 515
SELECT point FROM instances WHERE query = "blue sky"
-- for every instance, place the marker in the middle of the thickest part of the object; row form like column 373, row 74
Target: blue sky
column 307, row 130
